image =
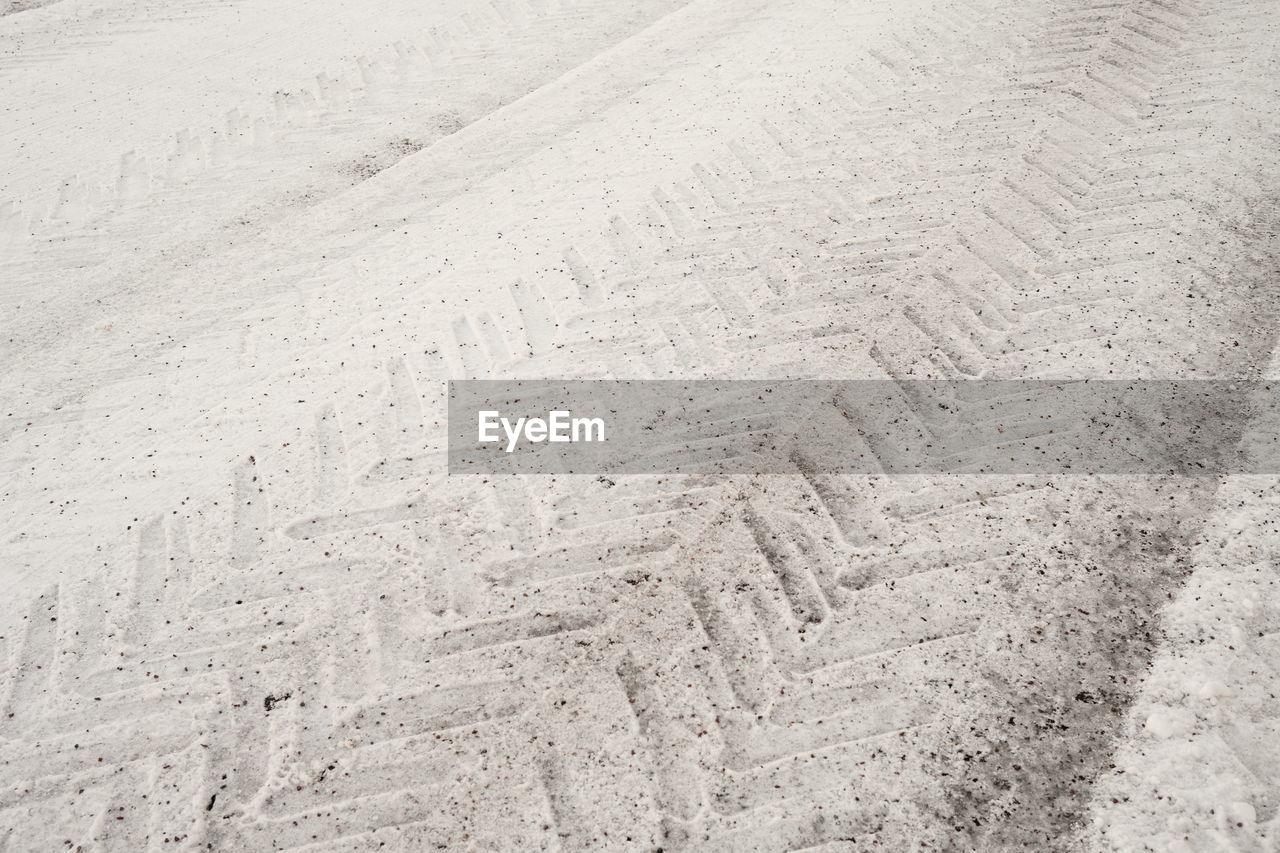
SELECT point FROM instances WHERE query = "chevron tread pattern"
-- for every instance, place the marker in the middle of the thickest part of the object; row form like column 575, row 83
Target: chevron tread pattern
column 339, row 648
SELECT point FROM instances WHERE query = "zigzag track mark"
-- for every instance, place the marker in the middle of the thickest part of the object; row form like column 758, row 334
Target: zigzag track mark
column 775, row 654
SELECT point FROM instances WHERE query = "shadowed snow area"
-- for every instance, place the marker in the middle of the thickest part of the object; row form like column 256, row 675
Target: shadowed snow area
column 245, row 245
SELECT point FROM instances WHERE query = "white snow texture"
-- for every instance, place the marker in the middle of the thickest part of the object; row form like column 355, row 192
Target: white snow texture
column 244, row 244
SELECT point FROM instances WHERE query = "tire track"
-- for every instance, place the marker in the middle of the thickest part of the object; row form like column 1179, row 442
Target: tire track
column 720, row 631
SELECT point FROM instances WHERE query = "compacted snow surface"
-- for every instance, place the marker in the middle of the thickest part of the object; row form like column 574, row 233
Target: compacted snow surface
column 244, row 244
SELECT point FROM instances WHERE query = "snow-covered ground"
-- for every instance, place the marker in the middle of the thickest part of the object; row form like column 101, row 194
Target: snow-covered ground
column 243, row 245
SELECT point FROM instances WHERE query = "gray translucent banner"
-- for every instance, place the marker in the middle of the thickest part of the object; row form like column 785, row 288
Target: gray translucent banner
column 893, row 427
